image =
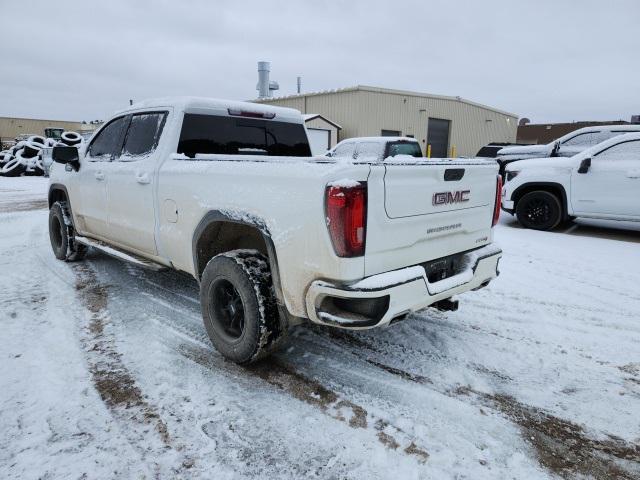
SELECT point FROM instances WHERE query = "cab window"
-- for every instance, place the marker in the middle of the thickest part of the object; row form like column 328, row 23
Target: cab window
column 404, row 148
column 143, row 135
column 344, row 150
column 108, row 142
column 369, row 150
column 583, row 139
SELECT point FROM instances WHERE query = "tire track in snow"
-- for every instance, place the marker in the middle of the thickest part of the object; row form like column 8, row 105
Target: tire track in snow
column 116, row 386
column 285, row 378
column 561, row 446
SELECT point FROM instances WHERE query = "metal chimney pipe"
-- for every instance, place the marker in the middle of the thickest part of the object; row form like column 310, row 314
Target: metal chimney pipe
column 299, row 85
column 263, row 79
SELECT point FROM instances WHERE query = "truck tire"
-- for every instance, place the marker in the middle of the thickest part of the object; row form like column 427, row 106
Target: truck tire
column 239, row 307
column 539, row 210
column 62, row 235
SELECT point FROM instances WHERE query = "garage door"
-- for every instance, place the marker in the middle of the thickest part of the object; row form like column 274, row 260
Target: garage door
column 319, row 140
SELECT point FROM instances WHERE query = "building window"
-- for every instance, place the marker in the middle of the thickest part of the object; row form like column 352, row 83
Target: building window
column 390, row 133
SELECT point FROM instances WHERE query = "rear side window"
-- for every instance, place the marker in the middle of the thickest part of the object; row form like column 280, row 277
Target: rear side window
column 143, row 134
column 108, row 141
column 404, row 148
column 210, row 134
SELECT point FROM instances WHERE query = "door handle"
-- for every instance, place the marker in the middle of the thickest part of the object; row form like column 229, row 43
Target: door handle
column 142, row 178
column 633, row 174
column 99, row 175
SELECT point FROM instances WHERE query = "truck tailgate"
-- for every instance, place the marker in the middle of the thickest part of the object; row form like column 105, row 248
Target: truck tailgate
column 425, row 210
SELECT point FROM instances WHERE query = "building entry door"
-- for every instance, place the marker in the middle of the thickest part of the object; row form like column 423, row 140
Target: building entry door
column 438, row 137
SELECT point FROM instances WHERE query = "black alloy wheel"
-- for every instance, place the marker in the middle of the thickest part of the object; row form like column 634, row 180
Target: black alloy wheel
column 229, row 309
column 539, row 210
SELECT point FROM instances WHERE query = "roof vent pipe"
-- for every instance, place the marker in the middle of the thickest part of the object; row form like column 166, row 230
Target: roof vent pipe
column 263, row 79
column 299, row 81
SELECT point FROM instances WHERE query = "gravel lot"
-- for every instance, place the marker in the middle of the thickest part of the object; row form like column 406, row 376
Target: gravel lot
column 106, row 372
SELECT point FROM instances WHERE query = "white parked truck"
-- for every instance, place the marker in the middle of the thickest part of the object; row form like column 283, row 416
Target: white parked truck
column 566, row 146
column 601, row 182
column 228, row 192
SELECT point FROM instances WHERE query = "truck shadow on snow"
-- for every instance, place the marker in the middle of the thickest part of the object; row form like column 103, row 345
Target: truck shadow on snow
column 606, row 230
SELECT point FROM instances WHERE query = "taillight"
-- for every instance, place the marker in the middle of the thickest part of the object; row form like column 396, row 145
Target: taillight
column 346, row 209
column 496, row 208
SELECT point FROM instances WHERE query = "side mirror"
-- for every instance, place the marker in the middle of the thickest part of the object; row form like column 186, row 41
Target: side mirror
column 66, row 155
column 555, row 149
column 584, row 165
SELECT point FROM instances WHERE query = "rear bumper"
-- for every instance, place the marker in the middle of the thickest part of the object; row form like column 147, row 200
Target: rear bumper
column 396, row 293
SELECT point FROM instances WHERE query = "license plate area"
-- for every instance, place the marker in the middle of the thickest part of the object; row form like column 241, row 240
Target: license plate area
column 443, row 268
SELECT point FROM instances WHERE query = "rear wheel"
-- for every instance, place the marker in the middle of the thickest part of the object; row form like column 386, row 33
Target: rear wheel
column 61, row 234
column 539, row 210
column 239, row 307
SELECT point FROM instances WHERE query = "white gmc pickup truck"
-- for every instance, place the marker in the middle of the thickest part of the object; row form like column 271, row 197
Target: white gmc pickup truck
column 228, row 192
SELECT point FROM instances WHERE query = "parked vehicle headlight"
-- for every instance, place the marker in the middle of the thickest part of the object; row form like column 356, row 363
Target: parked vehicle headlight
column 511, row 174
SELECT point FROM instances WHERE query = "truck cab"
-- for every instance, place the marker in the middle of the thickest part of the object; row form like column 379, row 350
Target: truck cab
column 376, row 148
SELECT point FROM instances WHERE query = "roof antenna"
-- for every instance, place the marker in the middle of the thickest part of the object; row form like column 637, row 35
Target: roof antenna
column 130, row 102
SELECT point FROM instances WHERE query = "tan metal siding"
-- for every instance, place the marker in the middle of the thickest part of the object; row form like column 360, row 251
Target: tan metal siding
column 366, row 113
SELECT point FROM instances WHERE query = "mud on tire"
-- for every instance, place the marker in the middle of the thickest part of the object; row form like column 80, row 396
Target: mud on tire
column 62, row 235
column 238, row 306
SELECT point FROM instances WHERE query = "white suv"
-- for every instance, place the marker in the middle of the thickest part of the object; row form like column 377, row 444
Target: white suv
column 601, row 182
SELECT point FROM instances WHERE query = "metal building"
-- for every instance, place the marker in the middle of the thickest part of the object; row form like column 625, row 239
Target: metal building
column 452, row 126
column 11, row 127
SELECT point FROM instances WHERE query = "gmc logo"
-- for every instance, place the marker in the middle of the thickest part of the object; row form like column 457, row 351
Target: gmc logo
column 445, row 198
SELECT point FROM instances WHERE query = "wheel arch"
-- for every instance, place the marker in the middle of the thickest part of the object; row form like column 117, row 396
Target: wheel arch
column 219, row 232
column 555, row 188
column 57, row 193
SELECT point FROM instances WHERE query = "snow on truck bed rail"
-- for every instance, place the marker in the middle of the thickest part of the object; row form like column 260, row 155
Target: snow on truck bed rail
column 397, row 160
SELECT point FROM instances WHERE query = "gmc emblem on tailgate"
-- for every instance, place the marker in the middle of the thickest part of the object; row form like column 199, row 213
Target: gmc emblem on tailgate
column 445, row 198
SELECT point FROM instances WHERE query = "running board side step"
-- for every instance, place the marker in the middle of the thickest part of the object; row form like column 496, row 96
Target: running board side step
column 120, row 254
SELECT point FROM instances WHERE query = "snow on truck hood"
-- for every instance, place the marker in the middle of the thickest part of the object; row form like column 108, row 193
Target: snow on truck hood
column 525, row 150
column 543, row 162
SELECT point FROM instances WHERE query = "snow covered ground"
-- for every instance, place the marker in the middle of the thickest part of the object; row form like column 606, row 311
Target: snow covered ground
column 106, row 372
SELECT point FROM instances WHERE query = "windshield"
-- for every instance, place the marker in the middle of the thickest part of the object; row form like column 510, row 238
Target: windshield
column 404, row 148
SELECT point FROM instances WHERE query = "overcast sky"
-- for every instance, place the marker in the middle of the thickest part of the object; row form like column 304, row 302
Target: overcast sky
column 548, row 60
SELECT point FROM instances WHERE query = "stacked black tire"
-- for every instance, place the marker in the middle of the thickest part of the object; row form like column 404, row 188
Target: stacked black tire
column 25, row 157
